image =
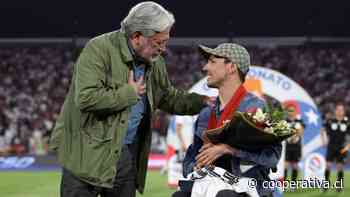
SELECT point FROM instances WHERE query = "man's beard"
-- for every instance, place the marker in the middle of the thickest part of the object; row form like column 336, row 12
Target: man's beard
column 212, row 85
column 215, row 84
column 146, row 60
column 154, row 59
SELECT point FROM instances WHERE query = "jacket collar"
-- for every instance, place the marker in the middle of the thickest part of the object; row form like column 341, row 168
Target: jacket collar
column 125, row 52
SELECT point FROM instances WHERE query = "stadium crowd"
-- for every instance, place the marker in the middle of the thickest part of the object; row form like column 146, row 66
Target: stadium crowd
column 34, row 82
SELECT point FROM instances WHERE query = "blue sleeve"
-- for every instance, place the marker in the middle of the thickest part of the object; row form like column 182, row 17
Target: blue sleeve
column 202, row 122
column 192, row 151
column 251, row 102
column 267, row 157
column 190, row 157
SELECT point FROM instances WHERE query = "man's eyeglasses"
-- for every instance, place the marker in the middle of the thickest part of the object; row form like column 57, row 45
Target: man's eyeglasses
column 159, row 44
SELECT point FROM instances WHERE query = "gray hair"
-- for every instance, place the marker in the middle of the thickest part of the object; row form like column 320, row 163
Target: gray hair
column 148, row 18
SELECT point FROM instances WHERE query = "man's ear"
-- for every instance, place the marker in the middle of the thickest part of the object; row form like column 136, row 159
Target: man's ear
column 232, row 68
column 135, row 37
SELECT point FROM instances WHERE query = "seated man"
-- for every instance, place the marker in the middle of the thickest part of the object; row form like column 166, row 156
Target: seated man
column 226, row 69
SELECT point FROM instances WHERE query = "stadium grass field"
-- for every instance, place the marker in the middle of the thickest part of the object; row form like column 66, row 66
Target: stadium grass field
column 46, row 184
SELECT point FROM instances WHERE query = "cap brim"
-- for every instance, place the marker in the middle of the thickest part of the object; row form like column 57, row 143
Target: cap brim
column 206, row 51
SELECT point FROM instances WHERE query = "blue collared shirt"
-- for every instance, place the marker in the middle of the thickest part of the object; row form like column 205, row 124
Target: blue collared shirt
column 137, row 111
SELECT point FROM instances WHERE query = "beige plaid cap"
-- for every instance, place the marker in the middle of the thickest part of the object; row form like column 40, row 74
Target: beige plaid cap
column 234, row 52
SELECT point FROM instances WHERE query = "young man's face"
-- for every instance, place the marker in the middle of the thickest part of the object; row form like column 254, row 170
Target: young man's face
column 217, row 71
column 150, row 48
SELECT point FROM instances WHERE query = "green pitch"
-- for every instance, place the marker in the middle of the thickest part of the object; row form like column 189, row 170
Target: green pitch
column 46, row 184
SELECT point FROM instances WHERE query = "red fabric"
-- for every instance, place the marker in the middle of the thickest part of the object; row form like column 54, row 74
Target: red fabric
column 229, row 109
column 170, row 152
column 251, row 110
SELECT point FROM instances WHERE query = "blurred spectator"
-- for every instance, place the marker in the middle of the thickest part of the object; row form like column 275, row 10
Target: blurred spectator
column 159, row 128
column 37, row 143
column 33, row 83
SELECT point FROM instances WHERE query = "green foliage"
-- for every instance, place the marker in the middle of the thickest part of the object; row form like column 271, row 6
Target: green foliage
column 276, row 113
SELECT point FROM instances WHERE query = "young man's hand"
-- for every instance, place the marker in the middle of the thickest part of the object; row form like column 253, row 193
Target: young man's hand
column 209, row 153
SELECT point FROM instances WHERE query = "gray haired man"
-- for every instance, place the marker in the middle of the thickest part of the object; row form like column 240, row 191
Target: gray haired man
column 102, row 136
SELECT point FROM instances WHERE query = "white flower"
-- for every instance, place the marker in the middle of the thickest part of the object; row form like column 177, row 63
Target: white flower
column 283, row 127
column 272, row 124
column 259, row 115
column 268, row 123
column 269, row 129
column 297, row 126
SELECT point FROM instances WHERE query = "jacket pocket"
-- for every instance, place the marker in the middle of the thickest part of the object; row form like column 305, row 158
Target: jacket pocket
column 97, row 158
column 96, row 127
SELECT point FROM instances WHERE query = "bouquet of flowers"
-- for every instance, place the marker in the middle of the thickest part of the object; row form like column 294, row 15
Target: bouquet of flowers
column 252, row 131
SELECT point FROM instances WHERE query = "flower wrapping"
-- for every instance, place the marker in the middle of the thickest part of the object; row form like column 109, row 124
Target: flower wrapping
column 252, row 131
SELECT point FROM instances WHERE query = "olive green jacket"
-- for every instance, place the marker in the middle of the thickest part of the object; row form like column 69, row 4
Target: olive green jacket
column 91, row 127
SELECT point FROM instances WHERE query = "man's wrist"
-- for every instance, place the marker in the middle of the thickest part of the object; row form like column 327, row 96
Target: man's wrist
column 230, row 150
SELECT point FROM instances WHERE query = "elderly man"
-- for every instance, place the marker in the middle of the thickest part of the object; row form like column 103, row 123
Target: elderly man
column 103, row 135
column 226, row 69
